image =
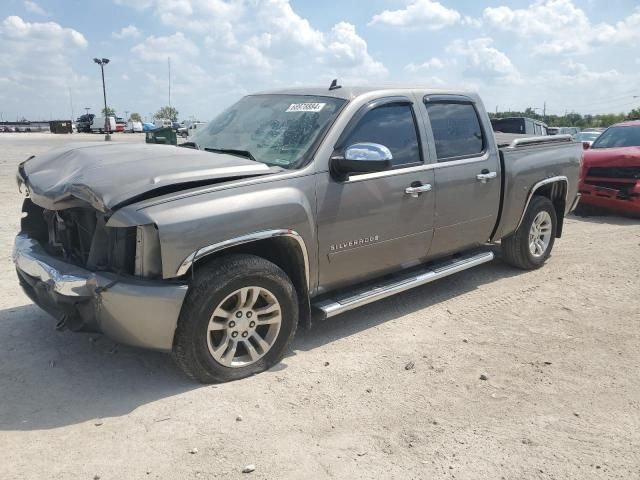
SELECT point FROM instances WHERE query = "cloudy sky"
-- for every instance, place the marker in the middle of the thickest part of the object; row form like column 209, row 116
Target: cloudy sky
column 577, row 55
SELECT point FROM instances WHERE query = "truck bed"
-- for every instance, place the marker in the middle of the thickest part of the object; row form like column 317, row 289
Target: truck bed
column 527, row 161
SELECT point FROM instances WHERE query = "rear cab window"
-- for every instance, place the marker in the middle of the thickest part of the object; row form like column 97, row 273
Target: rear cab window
column 456, row 128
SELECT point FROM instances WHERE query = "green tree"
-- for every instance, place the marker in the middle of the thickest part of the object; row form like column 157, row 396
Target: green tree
column 108, row 112
column 573, row 119
column 168, row 112
column 135, row 117
column 634, row 114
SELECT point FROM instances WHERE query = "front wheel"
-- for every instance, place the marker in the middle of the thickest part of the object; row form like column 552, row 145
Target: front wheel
column 530, row 246
column 238, row 319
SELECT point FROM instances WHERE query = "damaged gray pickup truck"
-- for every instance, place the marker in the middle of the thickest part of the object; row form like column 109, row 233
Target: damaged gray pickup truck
column 290, row 205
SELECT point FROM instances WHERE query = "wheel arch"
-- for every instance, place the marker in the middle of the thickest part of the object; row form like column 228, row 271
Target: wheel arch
column 284, row 248
column 555, row 189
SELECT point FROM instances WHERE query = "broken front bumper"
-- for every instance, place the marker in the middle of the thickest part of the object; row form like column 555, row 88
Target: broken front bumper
column 627, row 202
column 136, row 312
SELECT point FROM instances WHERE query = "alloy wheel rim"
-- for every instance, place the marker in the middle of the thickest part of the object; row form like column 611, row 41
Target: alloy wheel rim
column 540, row 234
column 244, row 326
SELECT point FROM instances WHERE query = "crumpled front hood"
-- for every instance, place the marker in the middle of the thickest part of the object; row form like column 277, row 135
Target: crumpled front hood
column 108, row 175
column 612, row 157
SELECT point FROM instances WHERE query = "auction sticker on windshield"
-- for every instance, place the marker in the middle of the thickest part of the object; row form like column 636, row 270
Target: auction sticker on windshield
column 305, row 107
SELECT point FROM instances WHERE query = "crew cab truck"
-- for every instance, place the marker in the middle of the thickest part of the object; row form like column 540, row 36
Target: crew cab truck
column 290, row 205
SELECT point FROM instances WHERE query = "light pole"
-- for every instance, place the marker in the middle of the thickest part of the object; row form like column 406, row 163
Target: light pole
column 107, row 124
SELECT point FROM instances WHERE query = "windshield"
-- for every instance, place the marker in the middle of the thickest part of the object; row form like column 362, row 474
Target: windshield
column 279, row 130
column 619, row 137
column 588, row 136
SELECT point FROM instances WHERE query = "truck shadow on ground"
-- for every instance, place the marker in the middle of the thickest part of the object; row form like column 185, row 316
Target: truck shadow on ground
column 410, row 301
column 50, row 379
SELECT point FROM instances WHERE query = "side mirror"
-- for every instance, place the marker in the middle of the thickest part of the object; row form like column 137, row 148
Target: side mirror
column 586, row 145
column 363, row 158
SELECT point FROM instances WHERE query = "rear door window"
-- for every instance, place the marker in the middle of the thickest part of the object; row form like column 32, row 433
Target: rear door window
column 456, row 130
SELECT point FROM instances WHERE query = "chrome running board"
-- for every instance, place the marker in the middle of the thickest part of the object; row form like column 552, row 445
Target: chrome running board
column 400, row 282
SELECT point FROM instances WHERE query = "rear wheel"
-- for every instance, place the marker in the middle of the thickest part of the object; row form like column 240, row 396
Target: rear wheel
column 238, row 319
column 530, row 246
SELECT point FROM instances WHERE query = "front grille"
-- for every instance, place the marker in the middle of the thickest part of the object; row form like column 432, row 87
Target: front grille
column 615, row 172
column 80, row 236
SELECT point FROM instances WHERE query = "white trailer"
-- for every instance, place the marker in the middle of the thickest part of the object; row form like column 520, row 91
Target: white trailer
column 99, row 124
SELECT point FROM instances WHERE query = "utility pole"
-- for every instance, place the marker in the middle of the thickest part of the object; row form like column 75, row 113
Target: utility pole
column 544, row 112
column 107, row 124
column 169, row 63
column 71, row 104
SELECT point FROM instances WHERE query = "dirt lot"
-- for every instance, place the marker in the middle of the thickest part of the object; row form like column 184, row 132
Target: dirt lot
column 560, row 348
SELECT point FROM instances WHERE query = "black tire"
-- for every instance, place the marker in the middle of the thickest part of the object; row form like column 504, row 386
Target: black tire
column 515, row 248
column 211, row 285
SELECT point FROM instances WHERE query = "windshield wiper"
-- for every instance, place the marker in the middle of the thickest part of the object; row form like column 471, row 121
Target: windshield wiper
column 232, row 151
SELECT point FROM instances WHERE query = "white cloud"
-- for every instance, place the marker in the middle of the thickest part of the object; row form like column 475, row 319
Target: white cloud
column 15, row 28
column 268, row 36
column 472, row 22
column 36, row 64
column 137, row 4
column 197, row 15
column 484, row 61
column 579, row 74
column 427, row 14
column 130, row 31
column 559, row 27
column 225, row 49
column 625, row 31
column 33, row 7
column 431, row 64
column 158, row 49
column 348, row 50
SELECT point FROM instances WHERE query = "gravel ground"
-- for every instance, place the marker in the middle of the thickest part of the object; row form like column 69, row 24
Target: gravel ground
column 492, row 373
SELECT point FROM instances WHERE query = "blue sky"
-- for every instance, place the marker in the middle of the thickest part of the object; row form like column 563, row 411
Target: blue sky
column 575, row 55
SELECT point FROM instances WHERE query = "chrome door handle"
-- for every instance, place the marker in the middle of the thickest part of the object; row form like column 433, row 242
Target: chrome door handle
column 415, row 191
column 484, row 177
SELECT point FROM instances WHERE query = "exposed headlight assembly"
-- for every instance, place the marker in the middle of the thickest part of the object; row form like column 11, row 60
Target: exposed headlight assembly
column 148, row 263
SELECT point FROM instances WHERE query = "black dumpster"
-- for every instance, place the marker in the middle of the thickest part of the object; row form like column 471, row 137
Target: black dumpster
column 165, row 136
column 60, row 126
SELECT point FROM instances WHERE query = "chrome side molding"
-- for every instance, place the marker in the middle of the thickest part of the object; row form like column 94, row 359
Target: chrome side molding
column 334, row 306
column 188, row 262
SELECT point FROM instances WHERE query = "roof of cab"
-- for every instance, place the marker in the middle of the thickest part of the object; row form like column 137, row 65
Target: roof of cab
column 351, row 92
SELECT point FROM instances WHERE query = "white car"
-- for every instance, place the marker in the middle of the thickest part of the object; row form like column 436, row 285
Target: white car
column 587, row 138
